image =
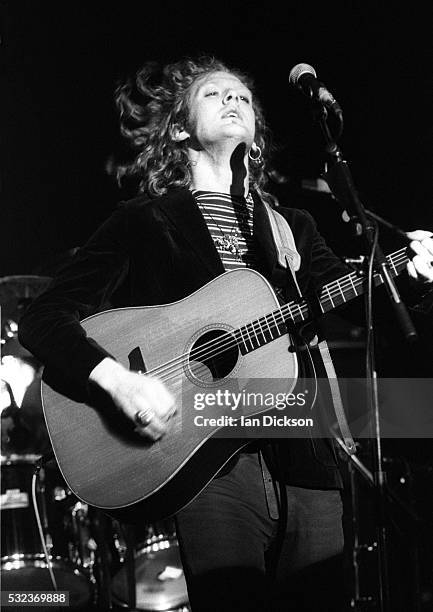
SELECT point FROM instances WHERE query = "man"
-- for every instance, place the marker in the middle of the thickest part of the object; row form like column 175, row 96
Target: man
column 201, row 142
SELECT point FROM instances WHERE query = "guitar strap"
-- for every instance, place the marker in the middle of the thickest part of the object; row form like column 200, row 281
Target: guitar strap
column 288, row 257
column 283, row 239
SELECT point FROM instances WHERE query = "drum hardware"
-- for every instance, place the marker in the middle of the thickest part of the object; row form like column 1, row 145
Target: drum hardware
column 46, row 534
column 84, row 553
column 158, row 574
column 82, row 547
column 47, row 539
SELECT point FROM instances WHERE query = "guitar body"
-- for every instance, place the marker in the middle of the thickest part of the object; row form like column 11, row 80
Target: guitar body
column 109, row 466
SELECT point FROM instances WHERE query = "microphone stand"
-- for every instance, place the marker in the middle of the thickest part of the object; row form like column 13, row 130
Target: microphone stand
column 340, row 181
column 354, row 464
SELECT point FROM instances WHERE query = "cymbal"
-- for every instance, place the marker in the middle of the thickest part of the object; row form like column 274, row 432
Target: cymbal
column 27, row 286
column 17, row 291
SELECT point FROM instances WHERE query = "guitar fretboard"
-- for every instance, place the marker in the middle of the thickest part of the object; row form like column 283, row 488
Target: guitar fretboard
column 257, row 333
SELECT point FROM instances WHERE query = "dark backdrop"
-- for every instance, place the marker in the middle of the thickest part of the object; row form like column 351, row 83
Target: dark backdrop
column 61, row 61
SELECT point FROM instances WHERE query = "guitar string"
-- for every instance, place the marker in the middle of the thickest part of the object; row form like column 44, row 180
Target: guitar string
column 254, row 326
column 171, row 371
column 293, row 310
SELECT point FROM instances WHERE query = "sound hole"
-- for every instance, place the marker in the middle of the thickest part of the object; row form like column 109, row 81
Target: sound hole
column 213, row 356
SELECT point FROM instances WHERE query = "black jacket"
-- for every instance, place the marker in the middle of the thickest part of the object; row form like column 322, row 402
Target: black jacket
column 156, row 252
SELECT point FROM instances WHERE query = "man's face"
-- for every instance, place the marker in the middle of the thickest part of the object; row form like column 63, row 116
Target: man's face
column 221, row 110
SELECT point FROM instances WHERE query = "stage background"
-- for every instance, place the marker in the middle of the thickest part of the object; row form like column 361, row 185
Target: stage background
column 61, row 62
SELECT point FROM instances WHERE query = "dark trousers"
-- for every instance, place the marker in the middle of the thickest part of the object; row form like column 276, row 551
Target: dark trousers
column 228, row 542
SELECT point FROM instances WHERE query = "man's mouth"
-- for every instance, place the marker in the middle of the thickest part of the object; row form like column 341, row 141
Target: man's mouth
column 231, row 113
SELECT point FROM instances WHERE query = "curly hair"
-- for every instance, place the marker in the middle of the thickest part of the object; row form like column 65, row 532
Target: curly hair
column 153, row 104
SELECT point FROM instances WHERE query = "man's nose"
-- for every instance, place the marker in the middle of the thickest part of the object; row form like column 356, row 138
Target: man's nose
column 230, row 96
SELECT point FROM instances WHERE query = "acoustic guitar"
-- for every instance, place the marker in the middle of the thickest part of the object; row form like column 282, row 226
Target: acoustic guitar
column 232, row 328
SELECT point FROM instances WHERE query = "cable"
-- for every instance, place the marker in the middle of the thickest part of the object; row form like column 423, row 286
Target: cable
column 41, row 533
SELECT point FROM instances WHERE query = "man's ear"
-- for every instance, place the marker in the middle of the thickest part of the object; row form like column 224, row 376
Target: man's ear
column 178, row 133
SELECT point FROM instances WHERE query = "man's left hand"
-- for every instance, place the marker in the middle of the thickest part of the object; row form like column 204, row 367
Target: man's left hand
column 420, row 266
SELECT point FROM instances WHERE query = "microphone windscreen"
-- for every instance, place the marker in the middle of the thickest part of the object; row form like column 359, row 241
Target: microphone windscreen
column 298, row 70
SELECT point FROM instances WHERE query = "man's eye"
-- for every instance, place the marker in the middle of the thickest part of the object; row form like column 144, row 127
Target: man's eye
column 211, row 93
column 245, row 99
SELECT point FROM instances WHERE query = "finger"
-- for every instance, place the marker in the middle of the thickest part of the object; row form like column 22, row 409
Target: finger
column 170, row 414
column 427, row 243
column 411, row 270
column 157, row 428
column 149, row 425
column 158, row 396
column 143, row 417
column 149, row 420
column 154, row 430
column 424, row 248
column 419, row 235
column 423, row 267
column 164, row 394
column 149, row 434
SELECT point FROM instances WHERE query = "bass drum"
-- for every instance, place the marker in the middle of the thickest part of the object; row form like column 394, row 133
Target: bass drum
column 65, row 525
column 159, row 577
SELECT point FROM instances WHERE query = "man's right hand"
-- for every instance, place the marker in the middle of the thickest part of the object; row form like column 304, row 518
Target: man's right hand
column 143, row 399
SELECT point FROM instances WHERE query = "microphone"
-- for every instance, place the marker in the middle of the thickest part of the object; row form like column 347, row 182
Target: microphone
column 303, row 76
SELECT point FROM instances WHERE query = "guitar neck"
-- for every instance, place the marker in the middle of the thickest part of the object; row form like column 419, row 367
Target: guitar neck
column 261, row 331
column 352, row 285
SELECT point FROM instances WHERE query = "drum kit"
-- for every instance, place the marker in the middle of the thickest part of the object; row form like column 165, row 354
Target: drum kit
column 50, row 540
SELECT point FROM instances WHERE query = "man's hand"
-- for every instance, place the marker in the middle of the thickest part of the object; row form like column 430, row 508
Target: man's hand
column 421, row 253
column 143, row 399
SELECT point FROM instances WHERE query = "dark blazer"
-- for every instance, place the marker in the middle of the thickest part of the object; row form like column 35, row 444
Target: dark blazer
column 155, row 252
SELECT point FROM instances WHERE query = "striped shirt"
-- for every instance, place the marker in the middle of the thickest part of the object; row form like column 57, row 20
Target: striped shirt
column 230, row 222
